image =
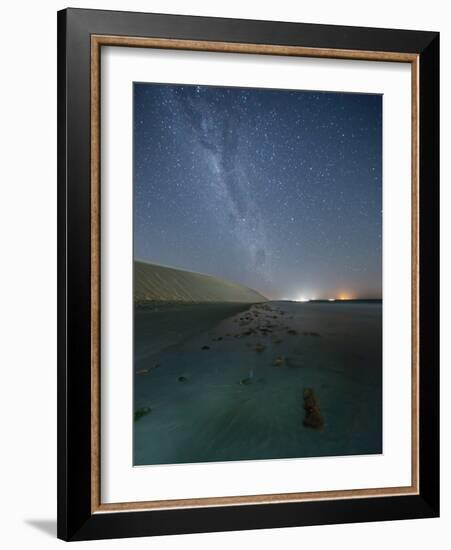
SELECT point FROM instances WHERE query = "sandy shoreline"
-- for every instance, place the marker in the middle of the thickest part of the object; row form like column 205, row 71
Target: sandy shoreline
column 232, row 388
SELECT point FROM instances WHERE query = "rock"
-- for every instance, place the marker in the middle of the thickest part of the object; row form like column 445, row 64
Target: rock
column 292, row 331
column 143, row 411
column 314, row 420
column 310, row 333
column 313, row 417
column 279, row 361
column 277, row 341
column 259, row 348
column 205, row 347
column 309, row 398
column 146, row 371
column 246, row 381
column 182, row 379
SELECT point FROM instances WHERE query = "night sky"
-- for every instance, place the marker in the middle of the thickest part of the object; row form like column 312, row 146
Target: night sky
column 278, row 190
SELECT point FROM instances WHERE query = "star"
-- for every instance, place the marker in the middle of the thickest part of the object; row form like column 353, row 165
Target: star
column 262, row 187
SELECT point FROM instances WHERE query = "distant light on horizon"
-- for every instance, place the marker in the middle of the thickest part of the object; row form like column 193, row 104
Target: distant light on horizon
column 304, row 299
column 339, row 297
column 345, row 296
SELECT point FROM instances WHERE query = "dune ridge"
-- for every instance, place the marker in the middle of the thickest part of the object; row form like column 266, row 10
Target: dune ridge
column 154, row 282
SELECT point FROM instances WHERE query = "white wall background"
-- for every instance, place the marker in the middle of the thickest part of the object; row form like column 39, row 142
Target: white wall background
column 28, row 272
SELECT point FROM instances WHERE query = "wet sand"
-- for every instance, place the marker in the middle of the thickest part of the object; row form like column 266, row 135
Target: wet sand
column 217, row 382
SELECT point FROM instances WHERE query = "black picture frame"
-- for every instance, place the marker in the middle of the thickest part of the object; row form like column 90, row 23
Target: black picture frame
column 76, row 521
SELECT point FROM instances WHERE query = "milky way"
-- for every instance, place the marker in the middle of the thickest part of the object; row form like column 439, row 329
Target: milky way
column 278, row 190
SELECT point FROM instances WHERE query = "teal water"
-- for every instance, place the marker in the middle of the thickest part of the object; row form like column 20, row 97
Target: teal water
column 229, row 401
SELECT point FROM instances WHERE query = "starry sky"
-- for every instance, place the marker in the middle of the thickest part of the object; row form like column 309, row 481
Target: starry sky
column 278, row 190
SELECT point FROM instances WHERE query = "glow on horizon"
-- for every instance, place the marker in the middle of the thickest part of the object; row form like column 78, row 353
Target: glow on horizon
column 304, row 299
column 340, row 296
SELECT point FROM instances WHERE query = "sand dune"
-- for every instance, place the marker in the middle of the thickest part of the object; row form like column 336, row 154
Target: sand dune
column 155, row 282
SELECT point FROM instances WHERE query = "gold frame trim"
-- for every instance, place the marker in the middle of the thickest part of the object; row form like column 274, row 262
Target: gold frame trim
column 97, row 41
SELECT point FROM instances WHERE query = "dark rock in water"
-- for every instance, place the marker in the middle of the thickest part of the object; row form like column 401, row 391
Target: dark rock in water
column 309, row 398
column 279, row 361
column 219, row 338
column 143, row 411
column 182, row 379
column 292, row 331
column 259, row 348
column 246, row 381
column 310, row 333
column 277, row 341
column 205, row 347
column 313, row 417
column 146, row 371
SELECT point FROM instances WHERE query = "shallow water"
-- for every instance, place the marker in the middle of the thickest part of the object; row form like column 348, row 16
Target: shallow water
column 230, row 402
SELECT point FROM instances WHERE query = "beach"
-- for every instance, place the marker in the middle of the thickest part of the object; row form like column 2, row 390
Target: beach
column 227, row 381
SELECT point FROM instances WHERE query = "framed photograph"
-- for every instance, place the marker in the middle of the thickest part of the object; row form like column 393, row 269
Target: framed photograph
column 248, row 274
